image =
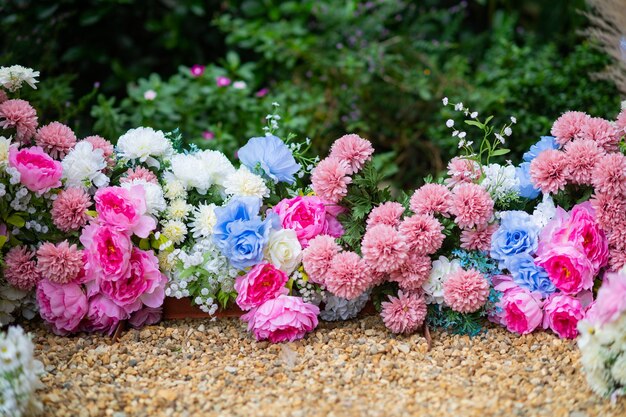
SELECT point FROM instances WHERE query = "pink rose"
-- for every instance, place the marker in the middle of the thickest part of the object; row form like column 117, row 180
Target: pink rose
column 263, row 282
column 143, row 284
column 125, row 209
column 108, row 252
column 611, row 300
column 282, row 319
column 309, row 217
column 61, row 305
column 103, row 315
column 145, row 317
column 561, row 314
column 568, row 268
column 518, row 309
column 38, row 171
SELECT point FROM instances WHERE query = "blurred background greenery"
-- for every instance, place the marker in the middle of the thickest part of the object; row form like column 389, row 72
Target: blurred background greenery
column 376, row 68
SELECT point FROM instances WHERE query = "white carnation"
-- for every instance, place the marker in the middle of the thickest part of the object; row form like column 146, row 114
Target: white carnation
column 144, row 144
column 83, row 165
column 283, row 250
column 441, row 270
column 13, row 77
column 217, row 165
column 173, row 188
column 204, row 220
column 155, row 202
column 191, row 172
column 244, row 183
column 174, row 230
column 178, row 209
column 544, row 212
column 500, row 180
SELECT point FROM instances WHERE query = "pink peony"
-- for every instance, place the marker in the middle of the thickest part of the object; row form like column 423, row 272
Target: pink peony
column 98, row 142
column 466, row 291
column 125, row 209
column 330, row 179
column 263, row 282
column 601, row 132
column 462, row 170
column 147, row 316
column 38, row 172
column 103, row 315
column 568, row 268
column 347, row 276
column 609, row 175
column 144, row 284
column 479, row 238
column 108, row 252
column 519, row 310
column 21, row 116
column 352, row 149
column 609, row 210
column 61, row 263
column 56, row 139
column 422, row 233
column 569, row 126
column 139, row 173
column 405, row 313
column 318, row 257
column 20, row 269
column 431, row 199
column 388, row 213
column 384, row 248
column 582, row 156
column 282, row 319
column 549, row 171
column 61, row 305
column 472, row 205
column 69, row 210
column 309, row 217
column 611, row 300
column 561, row 314
column 413, row 273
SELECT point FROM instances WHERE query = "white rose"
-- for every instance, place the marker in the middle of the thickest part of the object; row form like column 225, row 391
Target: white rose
column 144, row 144
column 441, row 271
column 283, row 250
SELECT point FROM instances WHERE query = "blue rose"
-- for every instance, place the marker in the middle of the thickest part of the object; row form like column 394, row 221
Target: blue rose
column 526, row 187
column 240, row 233
column 272, row 156
column 529, row 275
column 546, row 142
column 517, row 234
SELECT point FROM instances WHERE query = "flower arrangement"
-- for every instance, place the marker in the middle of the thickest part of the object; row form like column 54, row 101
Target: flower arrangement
column 19, row 374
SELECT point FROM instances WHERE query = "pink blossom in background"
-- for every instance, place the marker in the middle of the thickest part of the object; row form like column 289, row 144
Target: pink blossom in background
column 520, row 311
column 262, row 92
column 582, row 156
column 479, row 238
column 620, row 122
column 568, row 268
column 609, row 175
column 462, row 170
column 38, row 171
column 601, row 132
column 20, row 268
column 405, row 313
column 466, row 291
column 61, row 263
column 125, row 209
column 21, row 116
column 3, row 96
column 569, row 126
column 347, row 276
column 318, row 257
column 69, row 210
column 562, row 314
column 413, row 273
column 352, row 149
column 384, row 248
column 103, row 315
column 282, row 319
column 388, row 213
column 431, row 199
column 56, row 139
column 549, row 171
column 423, row 233
column 98, row 142
column 263, row 282
column 147, row 316
column 208, row 135
column 139, row 173
column 330, row 179
column 222, row 81
column 108, row 251
column 63, row 306
column 197, row 70
column 472, row 205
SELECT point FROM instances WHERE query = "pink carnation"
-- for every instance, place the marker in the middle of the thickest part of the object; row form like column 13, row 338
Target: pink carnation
column 611, row 300
column 352, row 149
column 103, row 315
column 609, row 175
column 431, row 199
column 20, row 269
column 582, row 156
column 61, row 263
column 617, row 236
column 462, row 170
column 63, row 306
column 466, row 291
column 549, row 171
column 56, row 139
column 330, row 179
column 318, row 257
column 411, row 275
column 617, row 259
column 569, row 126
column 601, row 132
column 69, row 210
column 98, row 142
column 21, row 116
column 479, row 238
column 422, row 233
column 609, row 209
column 384, row 248
column 568, row 268
column 388, row 213
column 472, row 205
column 3, row 96
column 518, row 309
column 38, row 172
column 139, row 173
column 621, row 121
column 125, row 209
column 561, row 314
column 282, row 319
column 347, row 276
column 405, row 313
column 263, row 282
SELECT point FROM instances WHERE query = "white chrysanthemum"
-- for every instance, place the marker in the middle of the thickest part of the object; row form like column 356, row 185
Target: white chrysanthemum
column 155, row 202
column 83, row 165
column 618, row 370
column 178, row 210
column 244, row 183
column 442, row 269
column 5, row 143
column 283, row 250
column 144, row 144
column 204, row 220
column 175, row 231
column 13, row 77
column 544, row 212
column 173, row 188
column 500, row 180
column 218, row 166
column 191, row 172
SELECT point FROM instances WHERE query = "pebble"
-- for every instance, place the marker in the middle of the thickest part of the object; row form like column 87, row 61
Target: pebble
column 214, row 368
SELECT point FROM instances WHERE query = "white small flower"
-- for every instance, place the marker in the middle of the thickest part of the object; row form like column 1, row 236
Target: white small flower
column 508, row 131
column 544, row 212
column 283, row 250
column 455, row 133
column 462, row 135
column 204, row 220
column 513, row 119
column 150, row 95
column 500, row 180
column 275, row 104
column 500, row 138
column 84, row 165
column 13, row 77
column 445, row 101
column 144, row 144
column 239, row 85
column 458, row 106
column 450, row 123
column 474, row 115
column 244, row 183
column 441, row 270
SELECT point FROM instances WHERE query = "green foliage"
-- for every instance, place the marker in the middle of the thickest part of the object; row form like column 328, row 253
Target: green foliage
column 455, row 322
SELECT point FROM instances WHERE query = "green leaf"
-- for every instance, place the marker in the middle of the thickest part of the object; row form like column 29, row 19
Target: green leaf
column 144, row 244
column 499, row 152
column 3, row 240
column 474, row 123
column 16, row 220
column 92, row 213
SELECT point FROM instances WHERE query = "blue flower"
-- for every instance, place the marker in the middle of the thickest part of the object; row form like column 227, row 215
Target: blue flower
column 529, row 275
column 272, row 155
column 526, row 187
column 517, row 234
column 546, row 142
column 240, row 233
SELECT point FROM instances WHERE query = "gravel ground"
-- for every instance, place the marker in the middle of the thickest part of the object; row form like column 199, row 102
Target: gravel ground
column 199, row 367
